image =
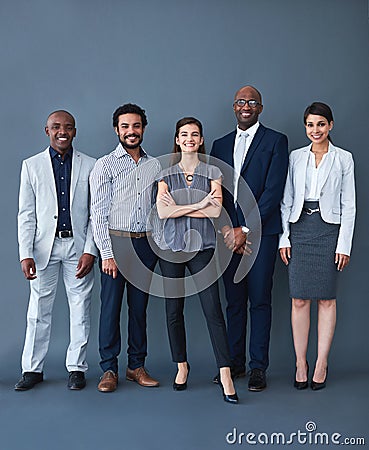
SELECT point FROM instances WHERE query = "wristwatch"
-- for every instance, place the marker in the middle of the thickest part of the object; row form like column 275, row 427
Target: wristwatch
column 245, row 230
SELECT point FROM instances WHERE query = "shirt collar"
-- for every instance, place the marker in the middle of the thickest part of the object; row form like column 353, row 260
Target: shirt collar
column 331, row 148
column 54, row 153
column 121, row 151
column 250, row 131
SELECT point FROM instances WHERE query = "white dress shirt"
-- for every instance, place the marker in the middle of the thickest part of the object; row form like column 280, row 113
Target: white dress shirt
column 239, row 157
column 315, row 176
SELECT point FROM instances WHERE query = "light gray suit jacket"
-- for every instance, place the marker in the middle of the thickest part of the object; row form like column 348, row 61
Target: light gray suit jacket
column 38, row 207
column 337, row 196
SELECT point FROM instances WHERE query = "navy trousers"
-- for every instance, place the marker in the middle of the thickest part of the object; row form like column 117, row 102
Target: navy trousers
column 255, row 288
column 112, row 291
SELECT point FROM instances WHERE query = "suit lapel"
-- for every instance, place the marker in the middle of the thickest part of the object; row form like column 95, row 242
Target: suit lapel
column 76, row 167
column 228, row 154
column 48, row 173
column 330, row 157
column 303, row 167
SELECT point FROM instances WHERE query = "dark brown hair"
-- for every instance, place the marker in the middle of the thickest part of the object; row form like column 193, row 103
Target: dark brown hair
column 319, row 109
column 176, row 152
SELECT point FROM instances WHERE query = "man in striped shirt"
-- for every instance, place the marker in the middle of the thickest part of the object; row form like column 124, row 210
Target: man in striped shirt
column 121, row 185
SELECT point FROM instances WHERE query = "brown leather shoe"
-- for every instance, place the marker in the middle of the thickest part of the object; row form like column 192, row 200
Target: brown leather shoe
column 141, row 377
column 108, row 382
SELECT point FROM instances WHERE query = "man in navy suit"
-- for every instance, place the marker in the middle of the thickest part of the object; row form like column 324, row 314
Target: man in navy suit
column 259, row 156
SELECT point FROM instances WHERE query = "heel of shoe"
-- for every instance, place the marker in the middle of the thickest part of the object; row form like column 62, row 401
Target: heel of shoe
column 181, row 386
column 233, row 398
column 300, row 385
column 315, row 386
column 228, row 398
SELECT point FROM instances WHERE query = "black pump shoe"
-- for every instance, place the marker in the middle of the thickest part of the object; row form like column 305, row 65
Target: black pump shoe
column 300, row 385
column 181, row 386
column 233, row 398
column 229, row 398
column 315, row 386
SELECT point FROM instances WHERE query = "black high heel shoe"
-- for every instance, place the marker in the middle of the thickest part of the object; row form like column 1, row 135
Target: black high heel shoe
column 315, row 386
column 232, row 398
column 228, row 398
column 181, row 386
column 300, row 385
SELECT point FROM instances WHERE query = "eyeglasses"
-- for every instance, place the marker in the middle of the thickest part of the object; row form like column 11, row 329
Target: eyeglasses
column 242, row 102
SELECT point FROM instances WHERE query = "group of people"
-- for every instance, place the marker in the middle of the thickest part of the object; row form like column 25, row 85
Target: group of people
column 129, row 212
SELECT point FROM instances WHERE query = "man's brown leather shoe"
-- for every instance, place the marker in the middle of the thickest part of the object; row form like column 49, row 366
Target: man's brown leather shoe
column 141, row 377
column 108, row 382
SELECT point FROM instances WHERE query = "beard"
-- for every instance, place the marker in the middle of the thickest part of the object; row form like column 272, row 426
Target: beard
column 127, row 146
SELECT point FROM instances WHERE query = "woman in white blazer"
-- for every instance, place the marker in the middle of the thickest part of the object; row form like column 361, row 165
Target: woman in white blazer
column 318, row 216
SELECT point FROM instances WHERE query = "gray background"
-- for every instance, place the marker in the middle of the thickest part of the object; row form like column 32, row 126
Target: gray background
column 176, row 59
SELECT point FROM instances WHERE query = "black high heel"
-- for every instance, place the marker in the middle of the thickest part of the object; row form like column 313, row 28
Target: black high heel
column 300, row 385
column 315, row 386
column 232, row 398
column 181, row 386
column 228, row 398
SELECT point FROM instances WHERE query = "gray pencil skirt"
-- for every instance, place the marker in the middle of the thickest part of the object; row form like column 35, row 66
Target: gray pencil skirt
column 312, row 272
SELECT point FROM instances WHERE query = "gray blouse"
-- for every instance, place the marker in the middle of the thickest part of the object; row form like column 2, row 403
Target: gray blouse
column 188, row 234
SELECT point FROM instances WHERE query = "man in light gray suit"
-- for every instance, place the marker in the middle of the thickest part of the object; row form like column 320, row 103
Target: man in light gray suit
column 54, row 235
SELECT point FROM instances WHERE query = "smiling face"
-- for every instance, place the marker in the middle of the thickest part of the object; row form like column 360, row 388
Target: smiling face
column 130, row 131
column 246, row 115
column 317, row 128
column 61, row 130
column 189, row 138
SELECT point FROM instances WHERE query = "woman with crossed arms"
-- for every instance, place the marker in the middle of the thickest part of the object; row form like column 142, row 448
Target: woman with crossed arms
column 318, row 216
column 189, row 196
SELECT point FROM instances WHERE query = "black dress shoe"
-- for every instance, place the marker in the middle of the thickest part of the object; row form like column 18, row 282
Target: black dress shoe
column 300, row 385
column 236, row 372
column 257, row 381
column 76, row 380
column 28, row 380
column 315, row 386
column 181, row 386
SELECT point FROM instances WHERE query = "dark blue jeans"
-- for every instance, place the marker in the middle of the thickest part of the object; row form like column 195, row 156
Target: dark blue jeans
column 112, row 291
column 210, row 304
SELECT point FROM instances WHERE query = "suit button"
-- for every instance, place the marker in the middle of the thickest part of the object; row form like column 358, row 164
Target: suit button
column 55, row 217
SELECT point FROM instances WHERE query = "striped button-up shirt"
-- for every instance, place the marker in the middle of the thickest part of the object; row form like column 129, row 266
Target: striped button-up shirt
column 121, row 192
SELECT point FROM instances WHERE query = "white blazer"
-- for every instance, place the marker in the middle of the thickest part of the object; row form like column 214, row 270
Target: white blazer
column 337, row 196
column 38, row 207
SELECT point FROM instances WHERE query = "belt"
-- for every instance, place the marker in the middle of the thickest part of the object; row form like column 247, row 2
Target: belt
column 130, row 234
column 64, row 234
column 310, row 211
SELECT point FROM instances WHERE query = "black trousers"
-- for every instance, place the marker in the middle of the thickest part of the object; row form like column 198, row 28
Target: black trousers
column 210, row 303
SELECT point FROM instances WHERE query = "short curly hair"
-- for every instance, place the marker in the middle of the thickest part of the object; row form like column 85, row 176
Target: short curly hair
column 129, row 108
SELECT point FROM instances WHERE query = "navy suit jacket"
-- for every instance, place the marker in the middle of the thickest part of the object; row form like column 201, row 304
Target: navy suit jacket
column 264, row 170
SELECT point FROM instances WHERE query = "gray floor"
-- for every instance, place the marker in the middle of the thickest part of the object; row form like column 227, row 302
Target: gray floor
column 50, row 417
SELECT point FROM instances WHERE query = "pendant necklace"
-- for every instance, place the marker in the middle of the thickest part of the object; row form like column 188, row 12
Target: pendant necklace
column 188, row 176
